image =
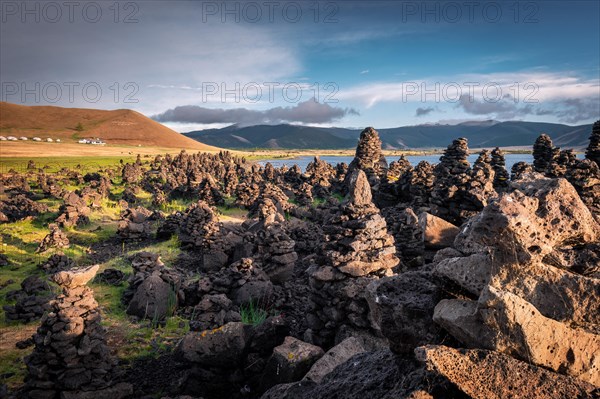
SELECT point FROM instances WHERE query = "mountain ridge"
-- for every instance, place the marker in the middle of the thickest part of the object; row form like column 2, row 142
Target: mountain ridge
column 479, row 133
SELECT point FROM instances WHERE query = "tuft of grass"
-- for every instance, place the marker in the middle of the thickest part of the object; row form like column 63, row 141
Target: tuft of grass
column 253, row 314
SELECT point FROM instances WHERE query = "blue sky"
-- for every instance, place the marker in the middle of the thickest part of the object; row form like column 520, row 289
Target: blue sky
column 379, row 63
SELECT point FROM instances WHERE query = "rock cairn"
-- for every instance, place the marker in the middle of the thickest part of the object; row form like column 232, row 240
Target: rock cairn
column 246, row 194
column 131, row 173
column 452, row 178
column 146, row 264
column 304, row 195
column 544, row 153
column 135, row 224
column 57, row 262
column 209, row 192
column 520, row 169
column 501, row 176
column 403, row 225
column 369, row 158
column 74, row 211
column 593, row 150
column 215, row 299
column 415, row 185
column 356, row 250
column 71, row 358
column 19, row 207
column 584, row 175
column 274, row 248
column 55, row 239
column 31, row 300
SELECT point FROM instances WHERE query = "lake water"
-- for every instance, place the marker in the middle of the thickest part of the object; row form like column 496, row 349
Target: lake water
column 302, row 162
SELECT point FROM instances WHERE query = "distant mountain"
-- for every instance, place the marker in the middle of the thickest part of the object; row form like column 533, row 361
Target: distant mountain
column 121, row 126
column 277, row 136
column 479, row 133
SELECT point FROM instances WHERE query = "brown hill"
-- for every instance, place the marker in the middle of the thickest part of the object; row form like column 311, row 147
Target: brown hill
column 121, row 126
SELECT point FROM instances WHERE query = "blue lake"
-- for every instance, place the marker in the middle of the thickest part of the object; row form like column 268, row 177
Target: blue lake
column 302, row 162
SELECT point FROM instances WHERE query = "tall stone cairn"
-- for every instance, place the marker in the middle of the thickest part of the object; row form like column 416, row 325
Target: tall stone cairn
column 544, row 153
column 593, row 149
column 452, row 177
column 501, row 176
column 369, row 157
column 71, row 358
column 357, row 249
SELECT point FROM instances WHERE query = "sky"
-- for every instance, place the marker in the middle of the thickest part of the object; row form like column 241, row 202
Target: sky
column 194, row 65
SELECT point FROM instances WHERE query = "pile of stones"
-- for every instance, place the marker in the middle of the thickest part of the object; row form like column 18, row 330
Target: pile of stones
column 31, row 300
column 273, row 247
column 369, row 158
column 55, row 239
column 501, row 176
column 74, row 211
column 403, row 225
column 71, row 358
column 19, row 207
column 154, row 291
column 415, row 185
column 357, row 249
column 135, row 224
column 593, row 150
column 57, row 262
column 215, row 299
column 452, row 178
column 544, row 153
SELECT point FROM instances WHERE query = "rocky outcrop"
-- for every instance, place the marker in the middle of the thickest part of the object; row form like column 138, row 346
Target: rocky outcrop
column 356, row 250
column 71, row 359
column 527, row 307
column 483, row 374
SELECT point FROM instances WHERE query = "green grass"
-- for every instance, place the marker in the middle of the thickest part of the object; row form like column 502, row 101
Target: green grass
column 13, row 367
column 253, row 314
column 54, row 164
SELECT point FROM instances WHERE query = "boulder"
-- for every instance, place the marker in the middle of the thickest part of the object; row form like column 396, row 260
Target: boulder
column 437, row 233
column 290, row 361
column 470, row 272
column 153, row 299
column 523, row 332
column 221, row 347
column 483, row 374
column 401, row 308
column 333, row 358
